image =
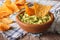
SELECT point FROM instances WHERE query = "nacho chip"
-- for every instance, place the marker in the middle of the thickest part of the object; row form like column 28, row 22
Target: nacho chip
column 21, row 2
column 7, row 21
column 41, row 10
column 4, row 27
column 29, row 11
column 5, row 8
column 37, row 9
column 4, row 11
column 44, row 9
column 4, row 14
column 11, row 5
column 21, row 7
column 7, row 1
column 16, row 9
column 16, row 0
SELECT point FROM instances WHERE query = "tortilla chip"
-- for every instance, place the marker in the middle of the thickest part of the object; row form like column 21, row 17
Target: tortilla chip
column 7, row 21
column 16, row 9
column 21, row 2
column 4, row 14
column 41, row 10
column 5, row 8
column 16, row 0
column 21, row 7
column 44, row 9
column 29, row 11
column 12, row 6
column 4, row 27
column 4, row 11
column 37, row 9
column 7, row 1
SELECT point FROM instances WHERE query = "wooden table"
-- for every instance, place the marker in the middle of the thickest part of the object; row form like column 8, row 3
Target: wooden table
column 48, row 36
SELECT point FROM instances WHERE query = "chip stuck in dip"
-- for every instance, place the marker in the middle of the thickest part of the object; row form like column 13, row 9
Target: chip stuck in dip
column 38, row 14
column 33, row 19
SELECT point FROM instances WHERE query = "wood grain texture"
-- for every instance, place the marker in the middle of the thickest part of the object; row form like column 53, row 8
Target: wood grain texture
column 48, row 36
column 2, row 38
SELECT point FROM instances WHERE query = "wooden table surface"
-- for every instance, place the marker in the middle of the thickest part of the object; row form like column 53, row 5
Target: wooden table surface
column 48, row 36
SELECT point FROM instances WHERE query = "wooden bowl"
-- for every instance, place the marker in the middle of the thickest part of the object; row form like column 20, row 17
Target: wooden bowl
column 35, row 28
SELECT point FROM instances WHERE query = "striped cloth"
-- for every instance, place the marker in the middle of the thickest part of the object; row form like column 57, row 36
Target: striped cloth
column 15, row 32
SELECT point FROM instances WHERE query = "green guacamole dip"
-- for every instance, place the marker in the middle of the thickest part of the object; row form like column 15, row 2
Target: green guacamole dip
column 33, row 19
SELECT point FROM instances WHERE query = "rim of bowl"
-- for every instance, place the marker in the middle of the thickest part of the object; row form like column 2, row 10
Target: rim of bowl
column 51, row 15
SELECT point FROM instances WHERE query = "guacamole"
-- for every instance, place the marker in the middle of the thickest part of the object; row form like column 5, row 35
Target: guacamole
column 33, row 19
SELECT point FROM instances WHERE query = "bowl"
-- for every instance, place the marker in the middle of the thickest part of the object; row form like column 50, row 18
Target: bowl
column 35, row 28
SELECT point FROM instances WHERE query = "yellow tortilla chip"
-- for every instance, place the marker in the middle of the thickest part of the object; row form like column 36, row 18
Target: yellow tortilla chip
column 29, row 11
column 16, row 0
column 5, row 8
column 41, row 10
column 16, row 9
column 37, row 9
column 7, row 21
column 4, row 11
column 45, row 9
column 4, row 27
column 21, row 2
column 11, row 6
column 8, row 1
column 3, row 15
